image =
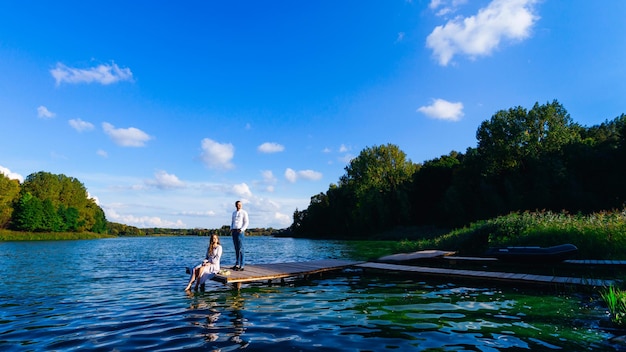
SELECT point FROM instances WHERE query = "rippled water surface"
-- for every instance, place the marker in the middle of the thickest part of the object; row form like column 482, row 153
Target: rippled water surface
column 127, row 294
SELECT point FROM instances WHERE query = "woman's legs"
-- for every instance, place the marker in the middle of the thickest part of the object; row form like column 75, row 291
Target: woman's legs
column 198, row 275
column 192, row 278
column 195, row 274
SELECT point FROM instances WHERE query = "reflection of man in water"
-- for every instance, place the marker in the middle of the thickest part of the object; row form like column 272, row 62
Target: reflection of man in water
column 210, row 324
column 233, row 306
column 238, row 321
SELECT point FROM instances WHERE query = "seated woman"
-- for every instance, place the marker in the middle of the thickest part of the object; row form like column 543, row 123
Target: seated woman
column 210, row 265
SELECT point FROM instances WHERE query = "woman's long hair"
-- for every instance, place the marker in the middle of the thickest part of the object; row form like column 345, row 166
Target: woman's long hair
column 213, row 245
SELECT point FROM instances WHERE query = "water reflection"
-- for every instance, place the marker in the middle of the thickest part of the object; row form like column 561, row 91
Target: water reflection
column 97, row 296
column 359, row 312
column 238, row 321
column 221, row 315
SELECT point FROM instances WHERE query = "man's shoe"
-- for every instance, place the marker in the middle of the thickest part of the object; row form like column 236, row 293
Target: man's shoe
column 240, row 269
column 235, row 267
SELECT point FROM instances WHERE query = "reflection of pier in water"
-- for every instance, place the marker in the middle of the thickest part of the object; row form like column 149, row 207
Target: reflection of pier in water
column 281, row 271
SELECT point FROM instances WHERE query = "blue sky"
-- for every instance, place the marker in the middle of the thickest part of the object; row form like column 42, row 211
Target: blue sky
column 168, row 112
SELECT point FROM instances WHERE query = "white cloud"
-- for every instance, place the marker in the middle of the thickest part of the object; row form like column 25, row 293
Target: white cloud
column 103, row 74
column 480, row 35
column 163, row 180
column 126, row 137
column 102, row 153
column 343, row 148
column 95, row 199
column 310, row 175
column 80, row 125
column 443, row 110
column 44, row 113
column 435, row 4
column 141, row 221
column 268, row 176
column 283, row 219
column 292, row 175
column 242, row 190
column 199, row 214
column 269, row 180
column 216, row 155
column 444, row 7
column 11, row 175
column 400, row 37
column 270, row 148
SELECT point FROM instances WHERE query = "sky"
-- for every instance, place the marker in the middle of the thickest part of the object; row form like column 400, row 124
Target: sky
column 168, row 112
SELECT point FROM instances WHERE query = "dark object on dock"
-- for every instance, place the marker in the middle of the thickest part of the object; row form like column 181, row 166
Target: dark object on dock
column 536, row 255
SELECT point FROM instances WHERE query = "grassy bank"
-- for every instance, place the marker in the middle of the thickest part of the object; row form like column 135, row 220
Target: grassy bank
column 7, row 235
column 597, row 236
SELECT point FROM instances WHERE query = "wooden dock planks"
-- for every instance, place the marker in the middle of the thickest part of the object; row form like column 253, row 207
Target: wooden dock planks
column 490, row 275
column 453, row 258
column 280, row 271
column 268, row 272
column 595, row 262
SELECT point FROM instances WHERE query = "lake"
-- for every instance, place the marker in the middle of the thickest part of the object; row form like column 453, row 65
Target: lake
column 128, row 294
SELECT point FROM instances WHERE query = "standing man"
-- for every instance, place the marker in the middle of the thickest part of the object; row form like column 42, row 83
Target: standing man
column 238, row 226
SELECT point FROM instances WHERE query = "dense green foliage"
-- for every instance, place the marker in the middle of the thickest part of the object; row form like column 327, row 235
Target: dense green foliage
column 45, row 202
column 525, row 160
column 369, row 197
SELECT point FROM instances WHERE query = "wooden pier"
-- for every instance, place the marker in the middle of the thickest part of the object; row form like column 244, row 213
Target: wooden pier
column 281, row 271
column 453, row 258
column 595, row 262
column 269, row 272
column 490, row 275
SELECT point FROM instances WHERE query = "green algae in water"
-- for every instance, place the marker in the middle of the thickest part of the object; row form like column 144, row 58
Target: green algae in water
column 491, row 317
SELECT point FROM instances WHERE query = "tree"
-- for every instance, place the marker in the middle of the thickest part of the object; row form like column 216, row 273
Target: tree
column 430, row 184
column 28, row 214
column 511, row 138
column 64, row 203
column 9, row 193
column 520, row 158
column 379, row 178
column 69, row 217
column 50, row 220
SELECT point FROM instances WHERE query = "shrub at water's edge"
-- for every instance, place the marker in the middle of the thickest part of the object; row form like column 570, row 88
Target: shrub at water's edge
column 597, row 236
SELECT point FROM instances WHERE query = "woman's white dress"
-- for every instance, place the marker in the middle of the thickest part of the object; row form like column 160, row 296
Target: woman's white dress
column 210, row 266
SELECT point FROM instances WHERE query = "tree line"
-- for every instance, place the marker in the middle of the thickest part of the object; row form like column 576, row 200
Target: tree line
column 46, row 202
column 537, row 159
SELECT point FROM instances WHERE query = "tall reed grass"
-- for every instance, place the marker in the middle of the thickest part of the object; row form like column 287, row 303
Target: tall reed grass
column 615, row 300
column 599, row 235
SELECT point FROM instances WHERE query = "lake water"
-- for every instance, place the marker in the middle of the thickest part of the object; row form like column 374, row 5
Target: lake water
column 127, row 294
